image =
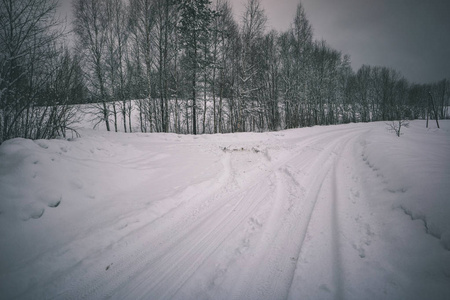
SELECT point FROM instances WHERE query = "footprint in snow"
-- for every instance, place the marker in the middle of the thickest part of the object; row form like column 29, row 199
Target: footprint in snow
column 32, row 210
column 360, row 249
column 77, row 184
column 42, row 144
column 50, row 197
column 54, row 204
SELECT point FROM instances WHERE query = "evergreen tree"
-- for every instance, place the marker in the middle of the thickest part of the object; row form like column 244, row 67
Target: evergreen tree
column 196, row 17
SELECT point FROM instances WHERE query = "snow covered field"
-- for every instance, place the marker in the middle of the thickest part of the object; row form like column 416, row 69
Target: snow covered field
column 348, row 212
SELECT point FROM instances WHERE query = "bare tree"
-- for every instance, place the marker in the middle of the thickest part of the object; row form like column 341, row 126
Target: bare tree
column 361, row 89
column 252, row 32
column 90, row 25
column 270, row 92
column 165, row 37
column 396, row 126
column 116, row 48
column 298, row 114
column 142, row 22
column 64, row 87
column 29, row 38
column 295, row 68
column 433, row 107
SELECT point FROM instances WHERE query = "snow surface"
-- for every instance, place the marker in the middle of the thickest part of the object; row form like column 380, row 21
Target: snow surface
column 348, row 212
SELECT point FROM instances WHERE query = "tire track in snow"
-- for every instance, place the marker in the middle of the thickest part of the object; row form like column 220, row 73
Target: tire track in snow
column 337, row 267
column 163, row 255
column 275, row 267
column 137, row 245
column 195, row 248
column 327, row 183
column 168, row 256
column 313, row 195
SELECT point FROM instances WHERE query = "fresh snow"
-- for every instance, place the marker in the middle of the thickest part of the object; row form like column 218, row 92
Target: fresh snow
column 348, row 212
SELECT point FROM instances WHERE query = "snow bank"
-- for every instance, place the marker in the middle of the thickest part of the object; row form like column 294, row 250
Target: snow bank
column 26, row 186
column 416, row 168
column 63, row 201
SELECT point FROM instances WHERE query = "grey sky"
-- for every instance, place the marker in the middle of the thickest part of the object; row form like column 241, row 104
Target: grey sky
column 410, row 36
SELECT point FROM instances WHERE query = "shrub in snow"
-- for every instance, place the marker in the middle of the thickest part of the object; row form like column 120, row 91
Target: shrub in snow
column 396, row 126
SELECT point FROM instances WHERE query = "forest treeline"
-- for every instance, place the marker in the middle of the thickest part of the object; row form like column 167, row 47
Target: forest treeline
column 190, row 67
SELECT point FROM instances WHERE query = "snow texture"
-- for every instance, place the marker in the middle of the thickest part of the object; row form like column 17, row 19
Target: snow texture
column 331, row 212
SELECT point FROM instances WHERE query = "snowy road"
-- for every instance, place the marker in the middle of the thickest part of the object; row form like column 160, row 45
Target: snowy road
column 283, row 215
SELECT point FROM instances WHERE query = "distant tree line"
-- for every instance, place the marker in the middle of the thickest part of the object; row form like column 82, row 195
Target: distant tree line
column 191, row 69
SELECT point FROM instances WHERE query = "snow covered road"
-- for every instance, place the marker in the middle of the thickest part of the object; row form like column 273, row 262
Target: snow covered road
column 314, row 213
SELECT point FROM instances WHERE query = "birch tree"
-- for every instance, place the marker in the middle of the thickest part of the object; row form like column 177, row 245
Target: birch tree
column 117, row 46
column 142, row 22
column 252, row 32
column 90, row 26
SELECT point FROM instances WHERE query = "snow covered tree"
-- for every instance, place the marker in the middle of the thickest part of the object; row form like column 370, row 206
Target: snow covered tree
column 295, row 67
column 269, row 94
column 251, row 63
column 225, row 40
column 297, row 113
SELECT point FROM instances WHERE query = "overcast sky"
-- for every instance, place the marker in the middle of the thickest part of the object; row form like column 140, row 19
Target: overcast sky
column 410, row 36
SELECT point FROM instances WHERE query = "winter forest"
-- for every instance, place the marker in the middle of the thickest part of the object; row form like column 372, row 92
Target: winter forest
column 187, row 67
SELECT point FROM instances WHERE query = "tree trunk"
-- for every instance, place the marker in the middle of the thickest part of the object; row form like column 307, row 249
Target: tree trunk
column 435, row 111
column 194, row 96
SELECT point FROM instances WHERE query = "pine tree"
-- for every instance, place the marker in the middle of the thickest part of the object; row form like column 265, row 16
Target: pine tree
column 196, row 17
